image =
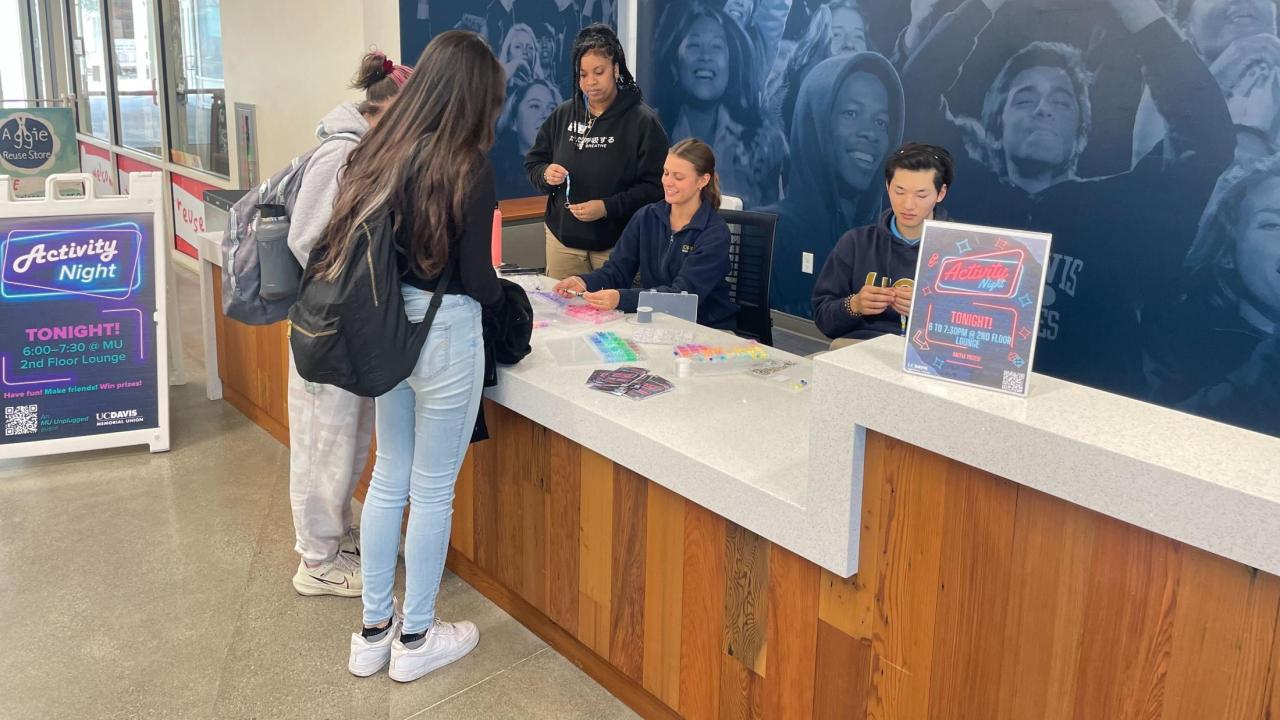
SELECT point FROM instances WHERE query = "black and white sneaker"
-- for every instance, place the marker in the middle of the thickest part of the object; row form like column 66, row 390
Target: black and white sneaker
column 340, row 576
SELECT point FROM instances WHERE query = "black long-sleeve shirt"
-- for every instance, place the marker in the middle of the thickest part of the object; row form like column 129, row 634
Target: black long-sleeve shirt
column 469, row 253
column 1118, row 241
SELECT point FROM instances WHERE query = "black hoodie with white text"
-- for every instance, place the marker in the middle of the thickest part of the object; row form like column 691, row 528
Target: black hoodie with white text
column 617, row 158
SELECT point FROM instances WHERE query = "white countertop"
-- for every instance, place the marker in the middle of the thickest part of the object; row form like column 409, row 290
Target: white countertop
column 788, row 465
column 1204, row 483
column 735, row 444
column 209, row 247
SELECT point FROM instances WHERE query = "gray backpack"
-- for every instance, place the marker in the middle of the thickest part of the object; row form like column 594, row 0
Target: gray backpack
column 260, row 274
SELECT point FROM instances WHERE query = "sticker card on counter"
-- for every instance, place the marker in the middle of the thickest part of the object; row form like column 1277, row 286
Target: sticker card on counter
column 976, row 307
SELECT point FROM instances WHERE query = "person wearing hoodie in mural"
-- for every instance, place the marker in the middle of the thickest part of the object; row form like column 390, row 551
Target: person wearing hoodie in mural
column 849, row 114
column 330, row 429
column 1117, row 241
column 1217, row 352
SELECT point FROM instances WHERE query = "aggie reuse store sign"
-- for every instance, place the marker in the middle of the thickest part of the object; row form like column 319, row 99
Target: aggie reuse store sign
column 976, row 306
column 34, row 144
column 77, row 336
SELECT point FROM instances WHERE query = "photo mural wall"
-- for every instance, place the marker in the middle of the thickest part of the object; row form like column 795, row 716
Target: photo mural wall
column 534, row 41
column 1141, row 133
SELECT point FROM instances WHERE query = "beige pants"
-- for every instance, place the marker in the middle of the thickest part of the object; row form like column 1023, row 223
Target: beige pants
column 843, row 342
column 563, row 262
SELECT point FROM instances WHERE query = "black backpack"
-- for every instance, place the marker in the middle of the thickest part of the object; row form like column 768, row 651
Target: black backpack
column 353, row 332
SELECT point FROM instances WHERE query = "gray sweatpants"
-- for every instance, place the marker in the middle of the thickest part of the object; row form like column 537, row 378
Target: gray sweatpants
column 329, row 435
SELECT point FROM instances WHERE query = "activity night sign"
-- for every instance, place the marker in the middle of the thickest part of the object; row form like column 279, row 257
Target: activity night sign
column 976, row 307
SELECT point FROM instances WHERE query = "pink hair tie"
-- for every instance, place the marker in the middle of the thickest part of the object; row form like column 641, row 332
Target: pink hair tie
column 388, row 66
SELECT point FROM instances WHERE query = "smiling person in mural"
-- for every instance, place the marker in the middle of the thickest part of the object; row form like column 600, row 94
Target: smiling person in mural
column 1237, row 39
column 709, row 89
column 848, row 115
column 530, row 101
column 521, row 48
column 1113, row 254
column 1217, row 353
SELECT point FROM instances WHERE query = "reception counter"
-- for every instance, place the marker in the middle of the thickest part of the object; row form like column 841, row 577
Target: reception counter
column 876, row 544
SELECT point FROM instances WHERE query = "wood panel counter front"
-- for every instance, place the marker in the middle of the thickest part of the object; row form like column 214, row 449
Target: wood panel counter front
column 686, row 550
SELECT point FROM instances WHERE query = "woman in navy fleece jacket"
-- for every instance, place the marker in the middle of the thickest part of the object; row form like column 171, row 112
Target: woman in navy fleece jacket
column 678, row 244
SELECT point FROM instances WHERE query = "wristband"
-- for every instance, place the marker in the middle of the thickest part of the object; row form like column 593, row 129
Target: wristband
column 848, row 306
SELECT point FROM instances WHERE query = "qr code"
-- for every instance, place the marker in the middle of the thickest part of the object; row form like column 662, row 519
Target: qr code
column 1013, row 381
column 21, row 420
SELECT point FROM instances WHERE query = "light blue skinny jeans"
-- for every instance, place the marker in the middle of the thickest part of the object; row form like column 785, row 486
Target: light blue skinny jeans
column 424, row 427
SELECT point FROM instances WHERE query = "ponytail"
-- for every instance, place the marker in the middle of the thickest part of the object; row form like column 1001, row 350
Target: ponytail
column 380, row 79
column 711, row 193
column 703, row 159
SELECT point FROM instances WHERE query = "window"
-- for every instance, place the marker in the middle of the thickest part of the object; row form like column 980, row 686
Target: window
column 88, row 49
column 137, row 75
column 13, row 66
column 196, row 91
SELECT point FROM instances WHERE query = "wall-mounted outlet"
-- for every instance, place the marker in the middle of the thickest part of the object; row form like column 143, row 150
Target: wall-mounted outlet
column 806, row 263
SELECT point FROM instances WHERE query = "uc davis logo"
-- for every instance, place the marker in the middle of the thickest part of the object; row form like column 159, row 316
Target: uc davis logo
column 28, row 144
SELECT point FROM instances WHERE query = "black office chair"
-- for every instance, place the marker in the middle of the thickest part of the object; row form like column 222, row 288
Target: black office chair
column 750, row 265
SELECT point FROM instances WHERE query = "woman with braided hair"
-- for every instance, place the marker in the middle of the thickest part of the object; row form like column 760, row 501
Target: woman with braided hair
column 598, row 157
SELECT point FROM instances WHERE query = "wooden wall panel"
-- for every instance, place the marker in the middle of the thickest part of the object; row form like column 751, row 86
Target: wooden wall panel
column 513, row 466
column 1052, row 552
column 842, row 674
column 1128, row 623
column 907, row 579
column 1214, row 664
column 702, row 613
column 485, row 516
column 563, row 473
column 253, row 363
column 973, row 593
column 746, row 597
column 977, row 598
column 741, row 691
column 627, row 573
column 663, row 590
column 792, row 635
column 595, row 569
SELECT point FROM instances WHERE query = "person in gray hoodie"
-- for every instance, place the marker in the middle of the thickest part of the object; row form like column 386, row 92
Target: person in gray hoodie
column 330, row 429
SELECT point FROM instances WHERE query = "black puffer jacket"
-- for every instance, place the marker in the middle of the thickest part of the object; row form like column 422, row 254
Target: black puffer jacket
column 508, row 326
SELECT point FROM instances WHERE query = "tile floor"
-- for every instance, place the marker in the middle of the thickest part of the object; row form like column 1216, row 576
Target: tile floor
column 157, row 586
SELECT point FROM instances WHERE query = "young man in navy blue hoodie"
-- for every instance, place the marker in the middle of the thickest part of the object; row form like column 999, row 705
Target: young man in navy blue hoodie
column 864, row 289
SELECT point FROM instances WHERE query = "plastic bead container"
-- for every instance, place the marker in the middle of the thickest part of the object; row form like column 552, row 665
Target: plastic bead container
column 722, row 358
column 613, row 348
column 588, row 314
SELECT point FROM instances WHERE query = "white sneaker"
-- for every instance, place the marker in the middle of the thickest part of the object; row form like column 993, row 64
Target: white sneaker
column 446, row 643
column 351, row 542
column 367, row 657
column 340, row 576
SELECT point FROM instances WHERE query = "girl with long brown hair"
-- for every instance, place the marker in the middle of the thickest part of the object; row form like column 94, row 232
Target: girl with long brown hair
column 425, row 163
